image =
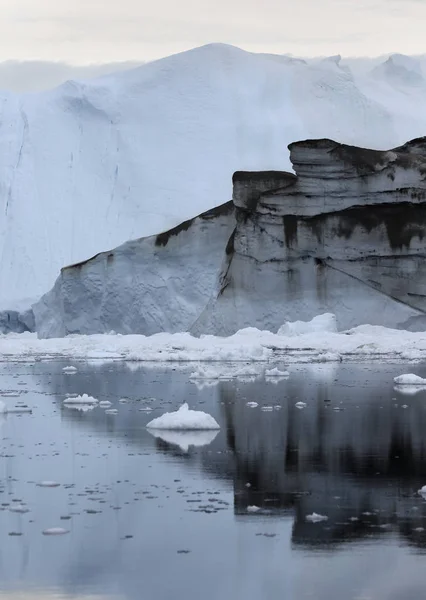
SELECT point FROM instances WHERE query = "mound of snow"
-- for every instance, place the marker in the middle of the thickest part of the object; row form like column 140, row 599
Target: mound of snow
column 185, row 439
column 84, row 399
column 325, row 323
column 184, row 419
column 409, row 379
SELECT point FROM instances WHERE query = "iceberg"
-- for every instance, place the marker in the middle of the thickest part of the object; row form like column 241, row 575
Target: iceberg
column 184, row 419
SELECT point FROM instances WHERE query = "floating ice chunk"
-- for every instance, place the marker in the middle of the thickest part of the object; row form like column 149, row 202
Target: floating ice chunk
column 69, row 370
column 409, row 379
column 253, row 509
column 84, row 399
column 316, row 518
column 300, row 405
column 105, row 403
column 185, row 439
column 325, row 323
column 80, row 407
column 267, row 408
column 252, row 404
column 49, row 484
column 124, row 400
column 111, row 411
column 55, row 531
column 184, row 418
column 422, row 491
column 276, row 374
column 19, row 508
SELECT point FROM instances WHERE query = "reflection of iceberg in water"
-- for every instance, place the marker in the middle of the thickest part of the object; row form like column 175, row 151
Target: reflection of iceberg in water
column 185, row 439
column 361, row 466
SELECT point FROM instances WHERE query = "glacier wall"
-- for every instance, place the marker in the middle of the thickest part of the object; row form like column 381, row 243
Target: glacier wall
column 344, row 234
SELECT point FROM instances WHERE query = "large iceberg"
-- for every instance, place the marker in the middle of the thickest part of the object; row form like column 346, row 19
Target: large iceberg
column 343, row 235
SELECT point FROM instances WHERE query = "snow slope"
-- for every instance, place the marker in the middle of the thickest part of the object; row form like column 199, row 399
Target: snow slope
column 88, row 166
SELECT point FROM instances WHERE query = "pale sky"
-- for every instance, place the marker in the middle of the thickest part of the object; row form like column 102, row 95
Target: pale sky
column 102, row 31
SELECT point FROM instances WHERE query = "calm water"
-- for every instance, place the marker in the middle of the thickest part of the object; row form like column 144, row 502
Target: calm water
column 154, row 518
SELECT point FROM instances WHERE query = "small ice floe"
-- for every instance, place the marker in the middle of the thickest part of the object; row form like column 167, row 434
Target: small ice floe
column 69, row 370
column 184, row 419
column 275, row 372
column 409, row 379
column 253, row 509
column 147, row 409
column 316, row 518
column 185, row 439
column 80, row 407
column 252, row 404
column 267, row 408
column 300, row 405
column 105, row 403
column 48, row 484
column 55, row 531
column 419, row 529
column 19, row 508
column 422, row 491
column 111, row 411
column 123, row 400
column 84, row 399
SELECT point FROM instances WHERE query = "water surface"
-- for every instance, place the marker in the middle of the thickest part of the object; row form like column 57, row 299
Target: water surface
column 159, row 518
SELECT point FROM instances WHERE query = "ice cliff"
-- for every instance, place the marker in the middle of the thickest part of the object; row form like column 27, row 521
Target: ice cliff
column 344, row 234
column 89, row 165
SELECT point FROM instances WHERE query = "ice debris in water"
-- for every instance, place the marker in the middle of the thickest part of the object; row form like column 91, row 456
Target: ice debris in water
column 300, row 405
column 80, row 407
column 422, row 491
column 316, row 518
column 84, row 399
column 19, row 508
column 184, row 418
column 252, row 404
column 49, row 484
column 409, row 379
column 326, row 323
column 272, row 373
column 69, row 370
column 185, row 439
column 111, row 411
column 253, row 509
column 55, row 531
column 105, row 403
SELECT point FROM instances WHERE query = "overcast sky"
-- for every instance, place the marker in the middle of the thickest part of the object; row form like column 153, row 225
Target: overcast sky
column 102, row 31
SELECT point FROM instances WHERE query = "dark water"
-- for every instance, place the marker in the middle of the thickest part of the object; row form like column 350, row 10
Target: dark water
column 155, row 519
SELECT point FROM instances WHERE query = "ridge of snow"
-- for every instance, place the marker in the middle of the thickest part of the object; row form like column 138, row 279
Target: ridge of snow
column 90, row 165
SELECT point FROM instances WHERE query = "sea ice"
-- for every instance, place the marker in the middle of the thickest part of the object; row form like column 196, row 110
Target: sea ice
column 55, row 531
column 184, row 419
column 409, row 379
column 84, row 399
column 300, row 405
column 185, row 439
column 316, row 518
column 69, row 370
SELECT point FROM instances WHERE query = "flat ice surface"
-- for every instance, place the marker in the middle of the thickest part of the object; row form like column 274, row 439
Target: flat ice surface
column 184, row 419
column 90, row 165
column 366, row 342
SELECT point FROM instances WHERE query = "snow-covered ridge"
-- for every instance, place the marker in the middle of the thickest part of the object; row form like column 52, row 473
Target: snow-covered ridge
column 89, row 166
column 344, row 234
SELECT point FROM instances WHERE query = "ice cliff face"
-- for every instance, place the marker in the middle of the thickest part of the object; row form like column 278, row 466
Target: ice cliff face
column 90, row 165
column 343, row 235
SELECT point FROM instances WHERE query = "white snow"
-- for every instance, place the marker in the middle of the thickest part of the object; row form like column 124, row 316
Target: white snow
column 185, row 439
column 105, row 404
column 84, row 399
column 139, row 151
column 300, row 405
column 366, row 342
column 111, row 411
column 409, row 379
column 275, row 374
column 316, row 518
column 422, row 490
column 184, row 419
column 325, row 323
